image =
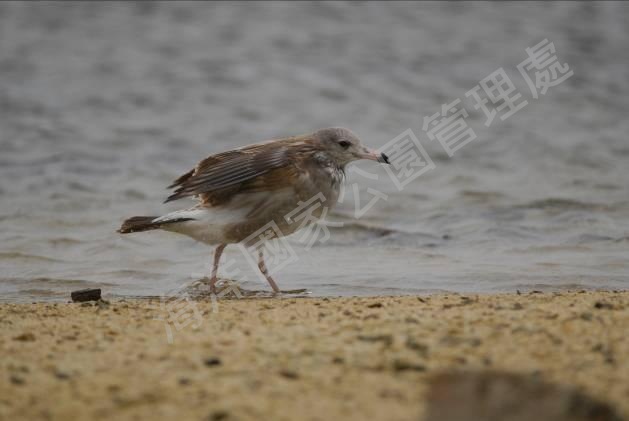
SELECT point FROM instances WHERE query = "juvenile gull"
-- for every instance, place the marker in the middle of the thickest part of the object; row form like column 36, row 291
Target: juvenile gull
column 242, row 190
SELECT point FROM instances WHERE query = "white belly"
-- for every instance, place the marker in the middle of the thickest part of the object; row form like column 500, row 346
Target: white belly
column 208, row 224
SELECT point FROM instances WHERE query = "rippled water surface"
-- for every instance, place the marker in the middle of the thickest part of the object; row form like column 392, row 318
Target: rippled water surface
column 103, row 105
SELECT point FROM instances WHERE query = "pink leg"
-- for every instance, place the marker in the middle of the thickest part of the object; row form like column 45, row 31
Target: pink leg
column 265, row 272
column 217, row 257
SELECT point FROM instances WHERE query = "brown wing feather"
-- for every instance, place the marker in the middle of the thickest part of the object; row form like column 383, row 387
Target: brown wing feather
column 275, row 179
column 218, row 177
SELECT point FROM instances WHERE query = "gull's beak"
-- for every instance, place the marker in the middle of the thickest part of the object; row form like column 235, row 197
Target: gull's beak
column 374, row 155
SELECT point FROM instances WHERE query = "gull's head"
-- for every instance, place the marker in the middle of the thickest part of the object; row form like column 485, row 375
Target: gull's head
column 343, row 146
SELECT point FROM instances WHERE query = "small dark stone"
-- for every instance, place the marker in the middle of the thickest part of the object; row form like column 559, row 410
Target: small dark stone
column 89, row 294
column 17, row 380
column 601, row 305
column 518, row 306
column 25, row 337
column 374, row 305
column 218, row 416
column 400, row 365
column 184, row 381
column 452, row 340
column 422, row 349
column 386, row 338
column 61, row 375
column 606, row 352
column 114, row 388
column 289, row 374
column 212, row 362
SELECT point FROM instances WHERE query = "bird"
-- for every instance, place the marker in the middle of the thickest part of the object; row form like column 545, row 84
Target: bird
column 240, row 191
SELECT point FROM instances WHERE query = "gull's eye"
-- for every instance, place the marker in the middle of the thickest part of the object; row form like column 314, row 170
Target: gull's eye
column 344, row 144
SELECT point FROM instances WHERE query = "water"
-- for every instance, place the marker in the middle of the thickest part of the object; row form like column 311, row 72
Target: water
column 103, row 105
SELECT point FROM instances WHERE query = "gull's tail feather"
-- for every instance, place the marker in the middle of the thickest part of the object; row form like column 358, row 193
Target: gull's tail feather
column 145, row 223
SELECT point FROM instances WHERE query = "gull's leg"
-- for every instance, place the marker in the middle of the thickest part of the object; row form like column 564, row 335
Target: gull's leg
column 217, row 257
column 265, row 272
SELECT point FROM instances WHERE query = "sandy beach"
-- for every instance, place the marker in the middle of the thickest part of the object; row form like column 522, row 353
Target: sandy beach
column 304, row 358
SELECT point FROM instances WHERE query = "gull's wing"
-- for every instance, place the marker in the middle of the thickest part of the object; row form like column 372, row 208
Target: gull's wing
column 259, row 167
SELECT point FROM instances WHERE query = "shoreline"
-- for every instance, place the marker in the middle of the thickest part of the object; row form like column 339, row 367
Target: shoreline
column 296, row 358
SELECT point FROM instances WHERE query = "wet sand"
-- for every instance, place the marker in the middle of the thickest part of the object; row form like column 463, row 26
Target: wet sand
column 306, row 359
